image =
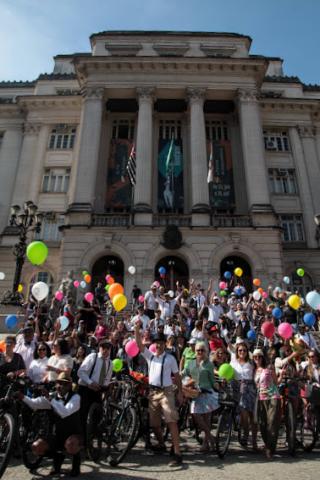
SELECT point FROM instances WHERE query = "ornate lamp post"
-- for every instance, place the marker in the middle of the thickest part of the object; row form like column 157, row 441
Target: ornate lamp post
column 23, row 220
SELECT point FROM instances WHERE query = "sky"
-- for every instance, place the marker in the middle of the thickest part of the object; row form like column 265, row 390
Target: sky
column 32, row 32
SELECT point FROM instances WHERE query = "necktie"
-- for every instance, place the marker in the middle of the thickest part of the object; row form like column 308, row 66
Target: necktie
column 102, row 374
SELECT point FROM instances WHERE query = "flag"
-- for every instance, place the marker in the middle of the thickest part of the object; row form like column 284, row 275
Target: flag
column 168, row 160
column 131, row 166
column 210, row 166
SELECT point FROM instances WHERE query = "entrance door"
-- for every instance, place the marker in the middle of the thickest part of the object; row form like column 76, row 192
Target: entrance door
column 107, row 265
column 232, row 262
column 176, row 270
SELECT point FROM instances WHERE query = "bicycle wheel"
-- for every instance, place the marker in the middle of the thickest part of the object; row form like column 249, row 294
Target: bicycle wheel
column 224, row 429
column 7, row 428
column 307, row 430
column 123, row 431
column 290, row 429
column 94, row 432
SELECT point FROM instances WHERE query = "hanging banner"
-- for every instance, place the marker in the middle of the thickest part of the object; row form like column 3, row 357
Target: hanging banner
column 220, row 174
column 170, row 175
column 119, row 190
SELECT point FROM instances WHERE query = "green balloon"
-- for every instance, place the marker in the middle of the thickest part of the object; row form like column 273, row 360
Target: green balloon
column 223, row 293
column 300, row 272
column 117, row 365
column 37, row 253
column 84, row 273
column 226, row 371
column 107, row 288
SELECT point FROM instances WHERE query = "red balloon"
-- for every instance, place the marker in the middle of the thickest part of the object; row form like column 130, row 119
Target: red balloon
column 268, row 329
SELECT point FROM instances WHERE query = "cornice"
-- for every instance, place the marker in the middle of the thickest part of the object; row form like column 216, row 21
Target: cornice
column 43, row 102
column 290, row 104
column 10, row 110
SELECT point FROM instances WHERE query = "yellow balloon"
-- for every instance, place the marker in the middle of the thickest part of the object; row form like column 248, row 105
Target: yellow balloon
column 20, row 288
column 238, row 272
column 119, row 302
column 294, row 301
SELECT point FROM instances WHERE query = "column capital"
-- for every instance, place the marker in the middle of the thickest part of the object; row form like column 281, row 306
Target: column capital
column 93, row 93
column 31, row 128
column 247, row 95
column 195, row 94
column 145, row 93
column 307, row 131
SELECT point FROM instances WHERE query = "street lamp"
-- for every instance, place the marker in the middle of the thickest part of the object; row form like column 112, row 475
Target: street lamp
column 23, row 220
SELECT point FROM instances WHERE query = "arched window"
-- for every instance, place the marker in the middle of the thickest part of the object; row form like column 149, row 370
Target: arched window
column 301, row 284
column 176, row 270
column 45, row 277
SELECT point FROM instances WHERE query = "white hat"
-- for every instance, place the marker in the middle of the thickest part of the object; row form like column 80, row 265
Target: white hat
column 192, row 341
column 257, row 351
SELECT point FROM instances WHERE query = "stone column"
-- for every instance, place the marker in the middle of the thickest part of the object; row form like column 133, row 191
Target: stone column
column 253, row 152
column 25, row 171
column 144, row 157
column 88, row 158
column 9, row 157
column 303, row 185
column 38, row 165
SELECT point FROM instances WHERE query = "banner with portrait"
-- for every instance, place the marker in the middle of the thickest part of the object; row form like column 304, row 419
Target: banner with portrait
column 220, row 174
column 119, row 190
column 170, row 175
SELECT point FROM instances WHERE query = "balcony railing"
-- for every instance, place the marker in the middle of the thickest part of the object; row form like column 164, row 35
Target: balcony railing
column 111, row 220
column 164, row 219
column 231, row 221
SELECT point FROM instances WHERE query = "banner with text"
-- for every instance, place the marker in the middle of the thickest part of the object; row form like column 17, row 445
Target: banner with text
column 220, row 174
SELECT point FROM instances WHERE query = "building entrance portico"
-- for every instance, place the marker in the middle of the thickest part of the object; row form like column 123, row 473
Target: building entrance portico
column 176, row 270
column 107, row 265
column 228, row 264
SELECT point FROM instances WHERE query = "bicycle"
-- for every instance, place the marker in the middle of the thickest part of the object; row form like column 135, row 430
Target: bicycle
column 288, row 413
column 228, row 419
column 308, row 422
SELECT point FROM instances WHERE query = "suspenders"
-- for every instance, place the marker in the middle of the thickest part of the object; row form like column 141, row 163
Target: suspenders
column 162, row 365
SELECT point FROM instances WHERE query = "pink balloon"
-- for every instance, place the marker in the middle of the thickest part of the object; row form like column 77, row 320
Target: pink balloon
column 107, row 277
column 267, row 329
column 223, row 285
column 58, row 296
column 153, row 348
column 89, row 297
column 264, row 294
column 285, row 330
column 131, row 348
column 141, row 298
column 76, row 283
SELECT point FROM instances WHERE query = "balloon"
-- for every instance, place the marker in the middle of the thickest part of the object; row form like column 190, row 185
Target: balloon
column 141, row 298
column 171, row 293
column 223, row 293
column 300, row 272
column 285, row 330
column 238, row 291
column 132, row 270
column 37, row 253
column 58, row 295
column 251, row 335
column 256, row 295
column 286, row 280
column 64, row 323
column 107, row 277
column 256, row 282
column 76, row 284
column 110, row 280
column 119, row 302
column 267, row 329
column 223, row 285
column 107, row 288
column 226, row 371
column 227, row 275
column 131, row 348
column 277, row 313
column 238, row 272
column 84, row 272
column 260, row 290
column 117, row 365
column 309, row 319
column 2, row 276
column 87, row 278
column 162, row 271
column 20, row 288
column 153, row 348
column 2, row 346
column 83, row 284
column 114, row 289
column 40, row 291
column 294, row 301
column 264, row 294
column 11, row 321
column 89, row 297
column 277, row 289
column 162, row 275
column 313, row 299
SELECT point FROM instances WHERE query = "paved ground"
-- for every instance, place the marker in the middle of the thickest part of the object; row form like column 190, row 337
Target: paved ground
column 237, row 465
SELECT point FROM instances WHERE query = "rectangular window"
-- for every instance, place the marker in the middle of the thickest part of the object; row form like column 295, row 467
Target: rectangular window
column 292, row 228
column 56, row 180
column 216, row 130
column 62, row 137
column 282, row 181
column 50, row 228
column 276, row 141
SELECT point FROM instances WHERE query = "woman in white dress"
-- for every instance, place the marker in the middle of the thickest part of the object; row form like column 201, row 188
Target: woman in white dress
column 38, row 366
column 61, row 360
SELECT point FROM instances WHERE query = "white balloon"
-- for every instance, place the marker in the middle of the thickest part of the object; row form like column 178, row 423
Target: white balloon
column 132, row 270
column 64, row 323
column 2, row 276
column 40, row 291
column 171, row 293
column 256, row 295
column 83, row 284
column 286, row 280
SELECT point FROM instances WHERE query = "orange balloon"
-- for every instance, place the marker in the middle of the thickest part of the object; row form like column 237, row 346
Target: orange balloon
column 115, row 289
column 260, row 290
column 87, row 278
column 2, row 346
column 256, row 282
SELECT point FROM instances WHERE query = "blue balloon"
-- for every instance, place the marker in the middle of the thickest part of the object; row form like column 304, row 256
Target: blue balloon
column 11, row 321
column 227, row 275
column 162, row 271
column 277, row 313
column 309, row 319
column 238, row 291
column 251, row 335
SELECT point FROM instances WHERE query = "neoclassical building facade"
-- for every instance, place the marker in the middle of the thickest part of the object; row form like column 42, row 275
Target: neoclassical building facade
column 174, row 149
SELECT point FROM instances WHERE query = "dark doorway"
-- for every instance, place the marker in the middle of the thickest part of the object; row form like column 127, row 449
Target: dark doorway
column 230, row 263
column 108, row 264
column 176, row 270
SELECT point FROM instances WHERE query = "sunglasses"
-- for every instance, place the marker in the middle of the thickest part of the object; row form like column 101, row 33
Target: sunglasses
column 242, row 350
column 200, row 350
column 312, row 356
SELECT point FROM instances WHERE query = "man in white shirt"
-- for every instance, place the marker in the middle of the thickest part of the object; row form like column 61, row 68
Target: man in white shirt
column 215, row 310
column 162, row 367
column 150, row 301
column 141, row 318
column 167, row 305
column 26, row 343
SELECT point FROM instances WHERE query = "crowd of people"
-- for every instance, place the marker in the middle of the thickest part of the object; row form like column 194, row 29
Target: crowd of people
column 184, row 337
